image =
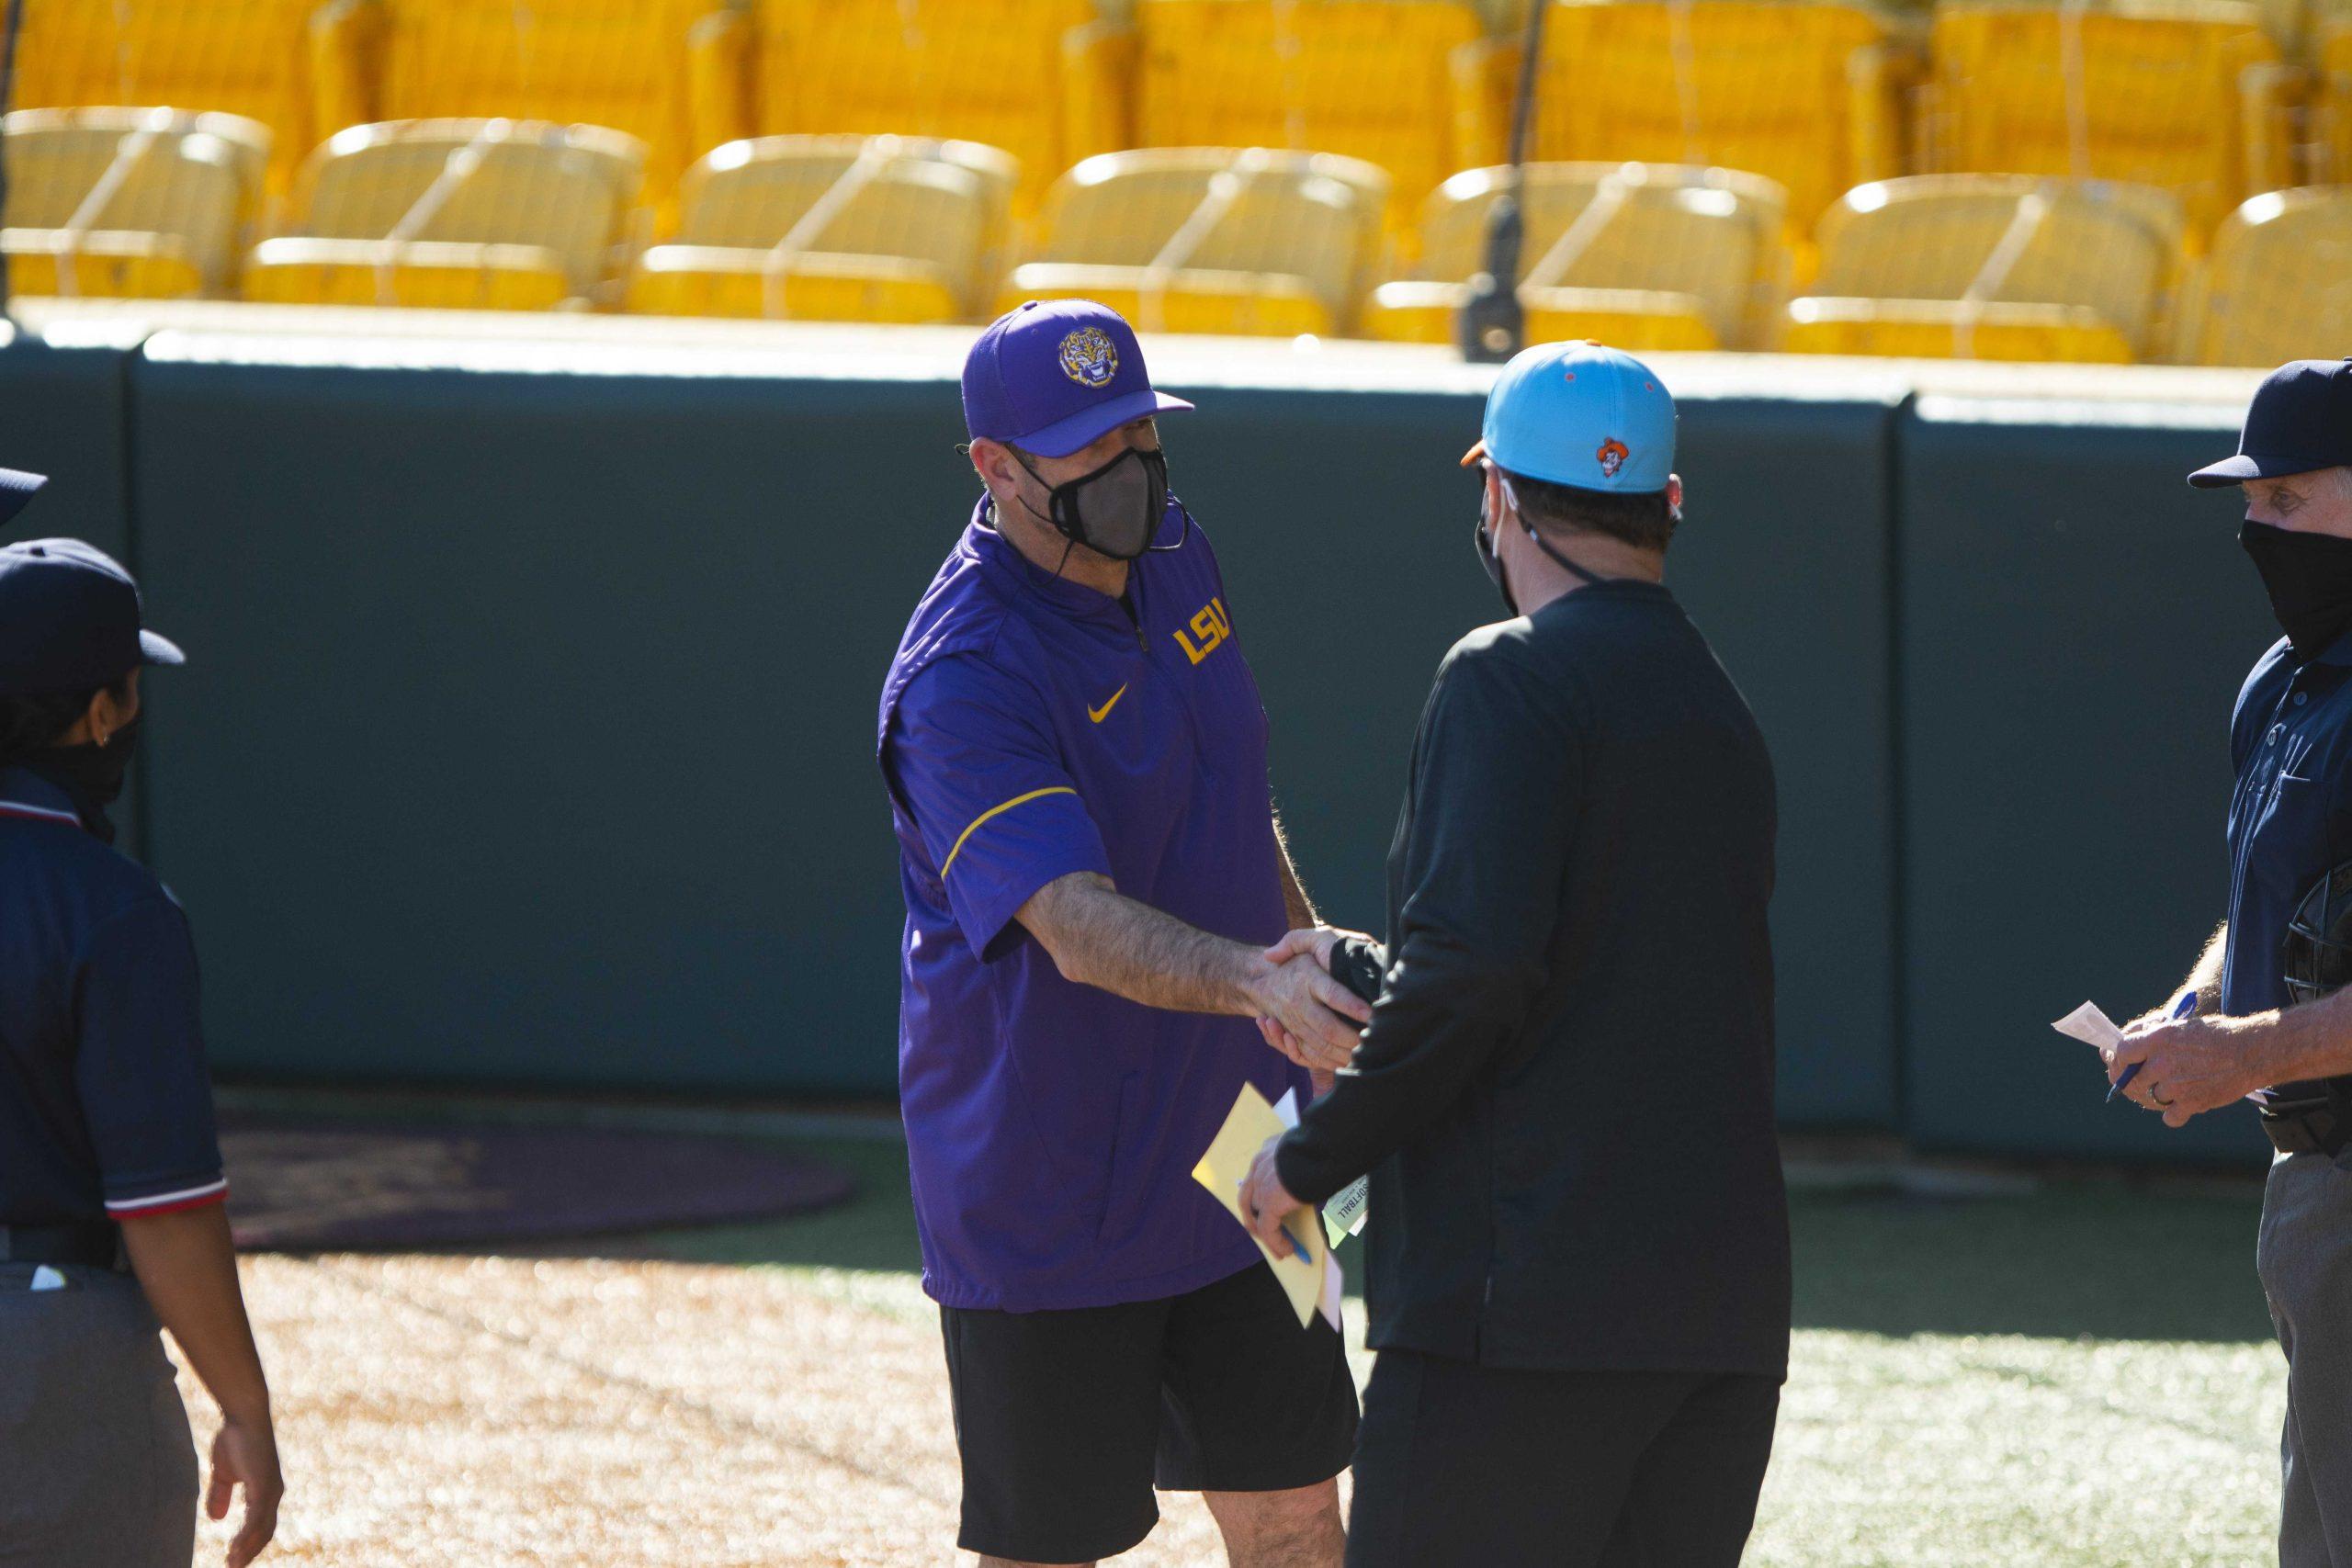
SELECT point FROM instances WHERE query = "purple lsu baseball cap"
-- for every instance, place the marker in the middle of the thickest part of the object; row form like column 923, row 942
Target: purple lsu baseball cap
column 1050, row 376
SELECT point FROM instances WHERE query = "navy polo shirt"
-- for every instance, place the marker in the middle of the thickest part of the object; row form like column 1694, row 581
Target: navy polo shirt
column 2291, row 817
column 105, row 1107
column 1032, row 728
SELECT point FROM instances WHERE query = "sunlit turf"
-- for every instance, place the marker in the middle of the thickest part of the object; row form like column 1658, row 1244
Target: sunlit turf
column 2082, row 1375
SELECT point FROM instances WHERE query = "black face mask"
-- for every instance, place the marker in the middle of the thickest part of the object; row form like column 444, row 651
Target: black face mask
column 1115, row 510
column 2308, row 578
column 92, row 775
column 1482, row 540
column 1485, row 543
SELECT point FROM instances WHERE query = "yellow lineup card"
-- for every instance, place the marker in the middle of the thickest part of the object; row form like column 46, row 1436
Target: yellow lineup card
column 1308, row 1278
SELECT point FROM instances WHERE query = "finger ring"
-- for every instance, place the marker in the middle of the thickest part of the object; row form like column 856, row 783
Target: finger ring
column 2158, row 1100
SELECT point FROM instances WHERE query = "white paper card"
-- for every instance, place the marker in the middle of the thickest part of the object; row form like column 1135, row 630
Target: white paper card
column 2092, row 1027
column 1348, row 1209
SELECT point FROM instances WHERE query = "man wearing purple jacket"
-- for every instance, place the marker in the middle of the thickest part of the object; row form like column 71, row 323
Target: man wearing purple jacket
column 1076, row 755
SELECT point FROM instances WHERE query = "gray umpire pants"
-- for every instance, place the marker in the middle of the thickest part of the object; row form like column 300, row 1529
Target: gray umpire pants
column 96, row 1466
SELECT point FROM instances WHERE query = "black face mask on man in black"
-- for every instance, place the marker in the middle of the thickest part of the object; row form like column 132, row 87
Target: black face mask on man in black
column 1113, row 510
column 1484, row 540
column 2309, row 578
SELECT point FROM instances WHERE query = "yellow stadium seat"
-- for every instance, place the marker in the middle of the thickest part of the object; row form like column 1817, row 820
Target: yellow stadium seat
column 1043, row 79
column 1991, row 266
column 491, row 213
column 243, row 57
column 1210, row 240
column 1367, row 78
column 2184, row 97
column 431, row 274
column 834, row 227
column 2333, row 110
column 2279, row 283
column 1644, row 256
column 1808, row 96
column 658, row 70
column 148, row 203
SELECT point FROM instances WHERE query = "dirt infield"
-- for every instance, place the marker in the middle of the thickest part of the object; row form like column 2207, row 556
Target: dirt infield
column 1974, row 1383
column 586, row 1413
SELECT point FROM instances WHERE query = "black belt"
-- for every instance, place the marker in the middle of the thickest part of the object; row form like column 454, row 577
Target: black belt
column 2312, row 1124
column 95, row 1245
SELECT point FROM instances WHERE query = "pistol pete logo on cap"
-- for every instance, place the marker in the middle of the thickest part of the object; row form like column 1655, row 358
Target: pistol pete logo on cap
column 1612, row 455
column 1089, row 358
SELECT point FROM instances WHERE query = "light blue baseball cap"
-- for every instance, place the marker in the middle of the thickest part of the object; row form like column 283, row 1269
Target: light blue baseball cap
column 1576, row 413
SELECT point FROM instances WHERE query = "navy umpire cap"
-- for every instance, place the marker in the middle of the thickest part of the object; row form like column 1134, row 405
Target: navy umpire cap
column 70, row 619
column 2299, row 421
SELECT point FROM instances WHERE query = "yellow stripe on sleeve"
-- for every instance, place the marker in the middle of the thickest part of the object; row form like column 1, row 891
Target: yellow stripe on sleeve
column 998, row 811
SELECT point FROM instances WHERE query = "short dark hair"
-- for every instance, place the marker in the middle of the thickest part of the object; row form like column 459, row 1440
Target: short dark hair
column 35, row 722
column 1643, row 520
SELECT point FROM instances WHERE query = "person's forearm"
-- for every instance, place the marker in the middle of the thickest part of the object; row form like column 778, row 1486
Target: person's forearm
column 1296, row 906
column 1442, row 1016
column 2312, row 1040
column 2205, row 978
column 188, row 1267
column 1100, row 937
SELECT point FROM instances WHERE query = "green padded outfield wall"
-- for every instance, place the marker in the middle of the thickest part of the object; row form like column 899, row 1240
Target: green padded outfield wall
column 2075, row 623
column 64, row 413
column 529, row 733
column 1343, row 524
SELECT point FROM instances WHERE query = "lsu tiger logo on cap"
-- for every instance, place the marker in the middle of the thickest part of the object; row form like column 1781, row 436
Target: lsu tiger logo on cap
column 1089, row 358
column 1612, row 455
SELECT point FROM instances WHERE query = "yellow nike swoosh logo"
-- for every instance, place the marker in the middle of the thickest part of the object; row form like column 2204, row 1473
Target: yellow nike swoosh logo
column 1097, row 714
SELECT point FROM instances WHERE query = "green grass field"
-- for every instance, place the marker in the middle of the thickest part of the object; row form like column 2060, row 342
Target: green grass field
column 2073, row 1375
column 2081, row 1375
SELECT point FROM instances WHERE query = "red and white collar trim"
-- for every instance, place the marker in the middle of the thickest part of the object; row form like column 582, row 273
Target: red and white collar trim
column 38, row 813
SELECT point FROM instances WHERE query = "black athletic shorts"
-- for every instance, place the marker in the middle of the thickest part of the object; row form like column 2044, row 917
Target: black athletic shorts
column 1067, row 1421
column 1465, row 1466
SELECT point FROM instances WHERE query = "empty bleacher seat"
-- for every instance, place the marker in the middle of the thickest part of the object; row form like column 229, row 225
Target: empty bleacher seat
column 1992, row 266
column 658, row 70
column 1210, row 240
column 147, row 203
column 1644, row 256
column 1368, row 78
column 2277, row 285
column 462, row 213
column 241, row 57
column 2332, row 50
column 834, row 227
column 1807, row 96
column 1045, row 80
column 2184, row 95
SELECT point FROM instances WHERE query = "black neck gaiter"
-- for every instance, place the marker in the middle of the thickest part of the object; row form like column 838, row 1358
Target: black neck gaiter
column 2309, row 578
column 92, row 775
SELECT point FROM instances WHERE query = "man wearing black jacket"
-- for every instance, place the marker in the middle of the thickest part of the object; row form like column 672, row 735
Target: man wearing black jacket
column 1579, row 1257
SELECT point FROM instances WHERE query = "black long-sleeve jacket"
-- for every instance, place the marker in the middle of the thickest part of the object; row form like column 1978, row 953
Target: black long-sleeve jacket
column 1564, row 1094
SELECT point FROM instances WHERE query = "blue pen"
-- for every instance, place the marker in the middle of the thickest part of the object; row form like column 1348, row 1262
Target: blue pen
column 1292, row 1237
column 2181, row 1009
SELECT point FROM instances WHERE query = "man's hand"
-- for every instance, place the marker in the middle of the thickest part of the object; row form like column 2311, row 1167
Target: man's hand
column 1315, row 941
column 1313, row 945
column 245, row 1454
column 2195, row 1065
column 1269, row 1203
column 1305, row 1013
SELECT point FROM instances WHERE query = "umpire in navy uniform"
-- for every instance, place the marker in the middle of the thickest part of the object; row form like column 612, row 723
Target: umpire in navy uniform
column 1578, row 1260
column 2242, row 1033
column 110, row 1178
